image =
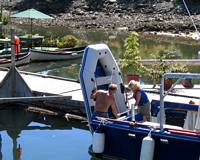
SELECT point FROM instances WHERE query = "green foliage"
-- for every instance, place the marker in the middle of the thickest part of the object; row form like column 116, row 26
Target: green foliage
column 129, row 61
column 163, row 55
column 82, row 42
column 5, row 20
column 67, row 41
column 64, row 42
column 155, row 71
column 46, row 42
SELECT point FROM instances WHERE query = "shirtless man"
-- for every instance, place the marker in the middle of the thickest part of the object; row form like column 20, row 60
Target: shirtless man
column 103, row 100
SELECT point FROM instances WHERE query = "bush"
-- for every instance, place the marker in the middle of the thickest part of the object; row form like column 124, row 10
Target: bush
column 67, row 42
column 49, row 42
column 64, row 42
column 5, row 20
column 157, row 70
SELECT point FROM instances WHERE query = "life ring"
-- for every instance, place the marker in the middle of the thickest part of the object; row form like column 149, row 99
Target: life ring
column 17, row 45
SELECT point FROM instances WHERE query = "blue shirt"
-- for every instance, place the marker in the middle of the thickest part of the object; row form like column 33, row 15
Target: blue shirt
column 144, row 98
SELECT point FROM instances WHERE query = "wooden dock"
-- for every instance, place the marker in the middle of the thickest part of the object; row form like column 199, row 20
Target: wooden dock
column 53, row 87
column 180, row 61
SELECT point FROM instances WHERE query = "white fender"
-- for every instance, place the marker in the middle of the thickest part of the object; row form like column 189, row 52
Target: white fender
column 147, row 149
column 98, row 142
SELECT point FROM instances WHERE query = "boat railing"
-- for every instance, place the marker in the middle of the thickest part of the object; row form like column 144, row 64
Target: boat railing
column 163, row 93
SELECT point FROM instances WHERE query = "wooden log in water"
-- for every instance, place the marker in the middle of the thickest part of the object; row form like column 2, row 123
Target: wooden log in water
column 73, row 116
column 42, row 111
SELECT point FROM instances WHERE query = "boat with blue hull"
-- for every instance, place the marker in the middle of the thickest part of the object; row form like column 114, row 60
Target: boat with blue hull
column 126, row 137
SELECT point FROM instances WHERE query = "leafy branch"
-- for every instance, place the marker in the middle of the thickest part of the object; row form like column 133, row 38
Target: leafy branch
column 129, row 61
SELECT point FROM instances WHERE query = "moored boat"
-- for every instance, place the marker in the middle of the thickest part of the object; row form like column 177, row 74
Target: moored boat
column 124, row 138
column 5, row 47
column 20, row 59
column 55, row 55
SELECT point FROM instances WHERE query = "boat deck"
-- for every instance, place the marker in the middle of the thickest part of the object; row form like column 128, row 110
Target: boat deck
column 179, row 94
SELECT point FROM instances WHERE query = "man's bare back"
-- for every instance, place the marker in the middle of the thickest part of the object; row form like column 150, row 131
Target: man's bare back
column 105, row 99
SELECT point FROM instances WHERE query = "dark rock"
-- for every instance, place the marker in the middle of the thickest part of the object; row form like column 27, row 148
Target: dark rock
column 138, row 15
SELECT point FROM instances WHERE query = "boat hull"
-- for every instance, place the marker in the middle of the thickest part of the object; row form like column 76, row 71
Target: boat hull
column 21, row 59
column 124, row 142
column 63, row 54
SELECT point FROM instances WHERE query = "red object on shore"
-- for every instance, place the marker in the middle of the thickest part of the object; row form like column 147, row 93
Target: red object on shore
column 133, row 77
column 17, row 45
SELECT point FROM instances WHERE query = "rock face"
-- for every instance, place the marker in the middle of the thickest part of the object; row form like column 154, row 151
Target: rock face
column 138, row 15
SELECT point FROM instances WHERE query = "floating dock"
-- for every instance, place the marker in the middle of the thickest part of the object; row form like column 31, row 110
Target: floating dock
column 65, row 94
column 56, row 92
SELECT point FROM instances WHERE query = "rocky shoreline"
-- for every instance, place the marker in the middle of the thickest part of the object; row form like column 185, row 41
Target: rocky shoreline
column 130, row 15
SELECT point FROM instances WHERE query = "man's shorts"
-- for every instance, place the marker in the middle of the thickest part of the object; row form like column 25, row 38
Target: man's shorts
column 100, row 114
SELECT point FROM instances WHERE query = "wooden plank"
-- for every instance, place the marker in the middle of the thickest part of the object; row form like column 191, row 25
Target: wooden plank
column 33, row 99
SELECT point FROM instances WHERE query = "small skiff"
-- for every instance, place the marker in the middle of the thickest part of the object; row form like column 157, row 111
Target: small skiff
column 55, row 55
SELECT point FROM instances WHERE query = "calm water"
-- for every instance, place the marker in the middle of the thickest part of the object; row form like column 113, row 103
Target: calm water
column 43, row 139
column 149, row 45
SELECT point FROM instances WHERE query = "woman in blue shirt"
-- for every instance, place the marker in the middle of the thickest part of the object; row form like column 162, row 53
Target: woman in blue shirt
column 141, row 99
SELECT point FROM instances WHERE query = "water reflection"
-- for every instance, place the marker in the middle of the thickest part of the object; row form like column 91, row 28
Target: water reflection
column 48, row 66
column 149, row 43
column 67, row 69
column 28, row 130
column 13, row 121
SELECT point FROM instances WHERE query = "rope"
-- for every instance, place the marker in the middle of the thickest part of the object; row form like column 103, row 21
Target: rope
column 102, row 123
column 191, row 18
column 71, row 91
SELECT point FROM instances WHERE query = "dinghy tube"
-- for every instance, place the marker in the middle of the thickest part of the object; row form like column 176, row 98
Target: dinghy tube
column 98, row 141
column 147, row 149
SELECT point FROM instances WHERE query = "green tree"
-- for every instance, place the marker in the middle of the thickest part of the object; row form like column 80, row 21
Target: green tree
column 129, row 61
